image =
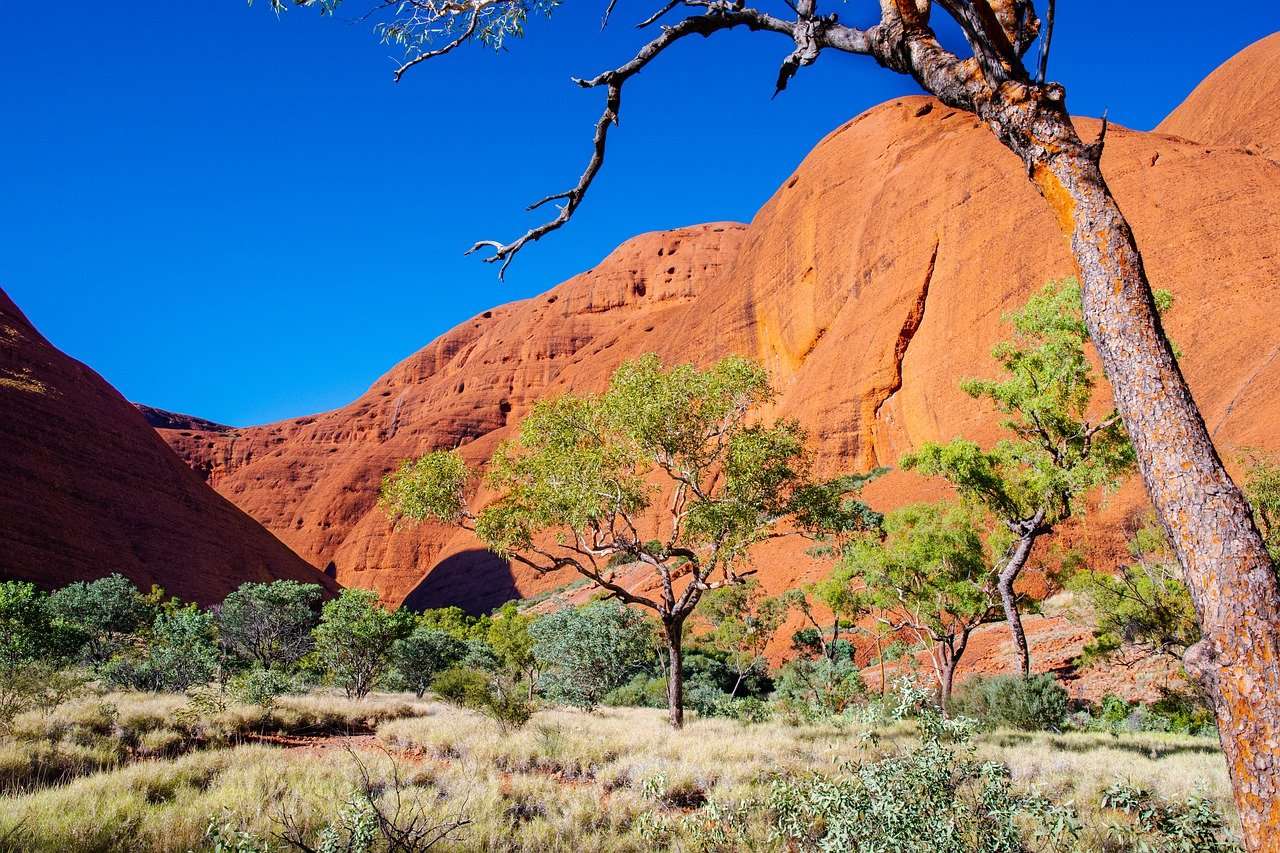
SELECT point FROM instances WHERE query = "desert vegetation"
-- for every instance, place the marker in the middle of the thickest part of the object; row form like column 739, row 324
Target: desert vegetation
column 281, row 719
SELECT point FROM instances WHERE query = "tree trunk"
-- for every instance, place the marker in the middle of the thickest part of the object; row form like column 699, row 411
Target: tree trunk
column 675, row 674
column 1210, row 525
column 945, row 680
column 1004, row 583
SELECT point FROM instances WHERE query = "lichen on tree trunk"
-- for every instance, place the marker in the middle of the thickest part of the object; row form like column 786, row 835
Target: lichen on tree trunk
column 1209, row 523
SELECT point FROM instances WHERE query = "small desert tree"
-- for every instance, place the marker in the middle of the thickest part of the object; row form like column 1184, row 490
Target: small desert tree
column 930, row 577
column 270, row 623
column 108, row 614
column 1143, row 605
column 1262, row 486
column 741, row 620
column 1037, row 478
column 660, row 479
column 355, row 638
column 424, row 654
column 584, row 653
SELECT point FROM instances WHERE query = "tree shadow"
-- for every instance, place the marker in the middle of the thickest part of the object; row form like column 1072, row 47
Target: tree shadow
column 475, row 580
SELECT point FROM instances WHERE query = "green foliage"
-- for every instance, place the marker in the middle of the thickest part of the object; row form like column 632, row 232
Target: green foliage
column 509, row 637
column 270, row 623
column 580, row 461
column 817, row 688
column 1158, row 826
column 1262, row 487
column 355, row 637
column 424, row 654
column 429, row 487
column 456, row 622
column 28, row 631
column 1057, row 453
column 1035, row 703
column 35, row 685
column 181, row 652
column 741, row 620
column 493, row 694
column 935, row 798
column 1145, row 604
column 107, row 614
column 1175, row 712
column 932, row 568
column 583, row 654
column 261, row 687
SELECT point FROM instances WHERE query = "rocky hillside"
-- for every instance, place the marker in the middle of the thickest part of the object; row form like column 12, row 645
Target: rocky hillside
column 870, row 284
column 87, row 487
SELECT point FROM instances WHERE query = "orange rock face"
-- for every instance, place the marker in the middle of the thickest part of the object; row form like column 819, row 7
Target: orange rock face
column 1236, row 105
column 870, row 284
column 87, row 488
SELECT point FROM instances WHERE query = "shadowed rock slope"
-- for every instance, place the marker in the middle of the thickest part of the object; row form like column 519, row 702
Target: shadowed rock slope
column 87, row 488
column 870, row 284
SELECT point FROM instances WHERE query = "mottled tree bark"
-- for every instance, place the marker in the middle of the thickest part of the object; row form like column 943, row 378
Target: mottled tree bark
column 1009, row 601
column 1208, row 521
column 673, row 629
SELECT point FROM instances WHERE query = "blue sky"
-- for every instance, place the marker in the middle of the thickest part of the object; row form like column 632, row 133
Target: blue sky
column 242, row 217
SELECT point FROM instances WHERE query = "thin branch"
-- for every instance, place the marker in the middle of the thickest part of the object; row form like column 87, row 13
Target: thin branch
column 1046, row 43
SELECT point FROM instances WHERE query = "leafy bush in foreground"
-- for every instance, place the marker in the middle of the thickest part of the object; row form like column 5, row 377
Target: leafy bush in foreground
column 582, row 654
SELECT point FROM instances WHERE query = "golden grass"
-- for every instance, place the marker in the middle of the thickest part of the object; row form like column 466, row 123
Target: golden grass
column 616, row 779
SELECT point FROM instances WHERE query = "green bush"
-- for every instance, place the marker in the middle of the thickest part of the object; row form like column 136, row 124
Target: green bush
column 261, row 687
column 812, row 689
column 1035, row 703
column 493, row 694
column 582, row 654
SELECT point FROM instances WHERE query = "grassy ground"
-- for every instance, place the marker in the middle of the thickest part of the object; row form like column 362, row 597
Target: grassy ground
column 616, row 779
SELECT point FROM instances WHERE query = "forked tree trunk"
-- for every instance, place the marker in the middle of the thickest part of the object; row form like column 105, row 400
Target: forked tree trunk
column 1209, row 522
column 675, row 674
column 1009, row 601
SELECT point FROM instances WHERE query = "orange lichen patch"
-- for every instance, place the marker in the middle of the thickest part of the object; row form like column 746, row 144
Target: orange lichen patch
column 1056, row 194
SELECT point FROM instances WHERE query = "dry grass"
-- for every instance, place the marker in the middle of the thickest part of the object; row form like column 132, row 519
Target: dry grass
column 617, row 779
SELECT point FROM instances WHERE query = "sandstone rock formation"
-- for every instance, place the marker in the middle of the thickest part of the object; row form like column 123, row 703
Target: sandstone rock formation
column 1235, row 106
column 870, row 284
column 87, row 488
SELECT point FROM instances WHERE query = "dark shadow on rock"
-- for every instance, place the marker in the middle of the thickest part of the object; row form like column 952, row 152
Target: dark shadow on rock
column 475, row 580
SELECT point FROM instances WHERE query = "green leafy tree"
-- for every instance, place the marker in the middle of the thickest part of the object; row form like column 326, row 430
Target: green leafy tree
column 1143, row 606
column 931, row 578
column 742, row 620
column 1036, row 479
column 424, row 654
column 508, row 635
column 181, row 652
column 110, row 615
column 270, row 624
column 578, row 489
column 34, row 649
column 456, row 622
column 583, row 654
column 355, row 637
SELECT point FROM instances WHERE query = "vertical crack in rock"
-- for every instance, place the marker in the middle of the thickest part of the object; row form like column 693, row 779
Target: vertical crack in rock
column 395, row 416
column 879, row 395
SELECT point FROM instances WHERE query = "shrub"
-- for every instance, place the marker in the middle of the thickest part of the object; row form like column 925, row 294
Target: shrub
column 261, row 687
column 493, row 694
column 106, row 614
column 933, row 799
column 1035, row 703
column 1160, row 826
column 355, row 637
column 585, row 653
column 35, row 686
column 180, row 654
column 424, row 654
column 270, row 623
column 811, row 689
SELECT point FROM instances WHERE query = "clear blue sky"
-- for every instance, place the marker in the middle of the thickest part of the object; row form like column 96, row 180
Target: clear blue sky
column 242, row 217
